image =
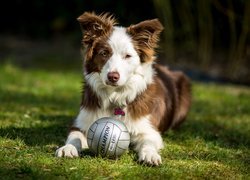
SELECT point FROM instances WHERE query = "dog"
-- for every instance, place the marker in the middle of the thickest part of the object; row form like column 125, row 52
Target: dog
column 121, row 72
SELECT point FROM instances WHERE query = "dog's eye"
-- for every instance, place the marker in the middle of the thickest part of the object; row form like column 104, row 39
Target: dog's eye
column 127, row 56
column 104, row 53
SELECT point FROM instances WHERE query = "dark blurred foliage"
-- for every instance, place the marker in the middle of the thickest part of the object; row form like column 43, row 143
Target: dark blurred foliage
column 209, row 36
column 201, row 36
column 45, row 18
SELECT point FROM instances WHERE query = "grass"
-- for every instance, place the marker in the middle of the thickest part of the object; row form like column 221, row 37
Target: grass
column 37, row 107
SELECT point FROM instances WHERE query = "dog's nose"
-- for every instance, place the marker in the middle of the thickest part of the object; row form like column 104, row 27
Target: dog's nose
column 113, row 77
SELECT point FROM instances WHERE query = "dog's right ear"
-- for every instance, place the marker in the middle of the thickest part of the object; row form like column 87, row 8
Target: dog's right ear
column 94, row 26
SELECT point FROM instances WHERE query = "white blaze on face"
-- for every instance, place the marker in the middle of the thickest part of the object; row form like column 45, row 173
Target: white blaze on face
column 124, row 59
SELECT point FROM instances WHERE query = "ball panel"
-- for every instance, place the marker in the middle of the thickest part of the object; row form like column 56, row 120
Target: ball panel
column 123, row 144
column 93, row 127
column 124, row 136
column 120, row 125
column 114, row 138
column 104, row 138
column 98, row 132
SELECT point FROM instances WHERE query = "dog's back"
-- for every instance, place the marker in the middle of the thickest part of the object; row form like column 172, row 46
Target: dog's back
column 177, row 96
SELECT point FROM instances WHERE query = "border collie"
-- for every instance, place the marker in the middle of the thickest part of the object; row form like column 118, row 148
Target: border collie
column 120, row 71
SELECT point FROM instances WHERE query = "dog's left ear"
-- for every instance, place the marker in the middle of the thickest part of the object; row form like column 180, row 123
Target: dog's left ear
column 146, row 36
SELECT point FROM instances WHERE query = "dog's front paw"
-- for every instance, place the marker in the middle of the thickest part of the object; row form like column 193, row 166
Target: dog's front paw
column 67, row 151
column 150, row 157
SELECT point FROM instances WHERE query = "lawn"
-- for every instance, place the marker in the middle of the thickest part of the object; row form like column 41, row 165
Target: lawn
column 37, row 107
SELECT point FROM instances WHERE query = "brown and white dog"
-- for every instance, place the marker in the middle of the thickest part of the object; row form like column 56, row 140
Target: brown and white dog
column 121, row 72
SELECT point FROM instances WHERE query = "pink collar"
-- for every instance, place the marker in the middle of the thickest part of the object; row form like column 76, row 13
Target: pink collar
column 119, row 111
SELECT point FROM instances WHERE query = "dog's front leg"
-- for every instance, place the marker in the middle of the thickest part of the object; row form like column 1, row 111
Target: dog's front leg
column 76, row 141
column 148, row 149
column 147, row 143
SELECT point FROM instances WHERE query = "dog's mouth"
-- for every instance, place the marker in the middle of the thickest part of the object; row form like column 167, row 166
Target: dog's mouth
column 108, row 83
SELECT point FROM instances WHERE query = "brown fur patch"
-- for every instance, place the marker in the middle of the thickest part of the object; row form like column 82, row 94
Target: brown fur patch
column 184, row 97
column 146, row 36
column 179, row 91
column 94, row 26
column 101, row 52
column 90, row 100
column 74, row 129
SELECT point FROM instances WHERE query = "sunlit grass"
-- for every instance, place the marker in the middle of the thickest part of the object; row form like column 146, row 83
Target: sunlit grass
column 38, row 106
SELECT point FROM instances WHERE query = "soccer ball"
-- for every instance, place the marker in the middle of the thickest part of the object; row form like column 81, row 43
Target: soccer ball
column 108, row 137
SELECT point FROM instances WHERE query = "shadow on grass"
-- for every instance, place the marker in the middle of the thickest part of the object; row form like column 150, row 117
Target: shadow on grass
column 48, row 117
column 215, row 124
column 26, row 170
column 39, row 135
column 14, row 173
column 224, row 136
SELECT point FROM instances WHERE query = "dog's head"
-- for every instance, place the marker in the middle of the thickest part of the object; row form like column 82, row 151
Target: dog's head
column 115, row 53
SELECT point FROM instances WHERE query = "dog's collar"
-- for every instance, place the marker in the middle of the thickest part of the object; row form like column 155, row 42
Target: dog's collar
column 119, row 112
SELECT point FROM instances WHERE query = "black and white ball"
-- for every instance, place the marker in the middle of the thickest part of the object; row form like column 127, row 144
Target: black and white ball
column 108, row 137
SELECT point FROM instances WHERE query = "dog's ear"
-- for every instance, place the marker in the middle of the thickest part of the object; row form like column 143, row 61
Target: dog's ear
column 146, row 36
column 94, row 26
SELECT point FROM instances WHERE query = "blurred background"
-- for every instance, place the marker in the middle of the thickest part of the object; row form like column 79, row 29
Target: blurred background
column 208, row 39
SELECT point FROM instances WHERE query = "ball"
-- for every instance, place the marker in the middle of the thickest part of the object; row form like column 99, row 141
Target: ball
column 108, row 137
